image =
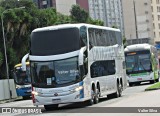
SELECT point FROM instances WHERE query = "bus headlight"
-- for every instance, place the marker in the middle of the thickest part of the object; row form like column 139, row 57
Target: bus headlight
column 79, row 88
column 35, row 93
column 18, row 87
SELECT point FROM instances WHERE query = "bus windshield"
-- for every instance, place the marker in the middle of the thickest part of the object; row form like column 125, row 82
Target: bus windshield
column 55, row 73
column 52, row 42
column 138, row 62
column 21, row 77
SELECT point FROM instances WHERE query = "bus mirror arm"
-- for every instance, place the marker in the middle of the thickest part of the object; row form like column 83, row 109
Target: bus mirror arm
column 24, row 62
column 81, row 54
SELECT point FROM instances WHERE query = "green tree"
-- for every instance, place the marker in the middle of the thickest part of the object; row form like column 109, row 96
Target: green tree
column 47, row 17
column 61, row 19
column 124, row 41
column 95, row 22
column 78, row 14
column 16, row 25
column 1, row 58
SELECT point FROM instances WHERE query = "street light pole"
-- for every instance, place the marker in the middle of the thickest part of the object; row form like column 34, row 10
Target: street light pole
column 5, row 51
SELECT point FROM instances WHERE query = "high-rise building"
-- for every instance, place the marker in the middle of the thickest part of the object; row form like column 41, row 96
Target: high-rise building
column 62, row 6
column 138, row 23
column 155, row 7
column 45, row 3
column 109, row 11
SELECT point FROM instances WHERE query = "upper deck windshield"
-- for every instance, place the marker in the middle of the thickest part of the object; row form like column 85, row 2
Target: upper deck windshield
column 52, row 42
column 55, row 73
column 138, row 62
column 21, row 77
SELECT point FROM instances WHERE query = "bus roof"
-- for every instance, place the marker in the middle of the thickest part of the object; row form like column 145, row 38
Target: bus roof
column 137, row 47
column 62, row 26
column 18, row 65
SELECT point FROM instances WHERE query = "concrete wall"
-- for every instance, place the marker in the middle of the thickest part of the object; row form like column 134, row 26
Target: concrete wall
column 64, row 6
column 143, row 15
column 156, row 21
column 83, row 4
column 4, row 89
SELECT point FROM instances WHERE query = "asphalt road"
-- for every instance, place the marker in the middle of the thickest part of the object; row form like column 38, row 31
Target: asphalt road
column 132, row 97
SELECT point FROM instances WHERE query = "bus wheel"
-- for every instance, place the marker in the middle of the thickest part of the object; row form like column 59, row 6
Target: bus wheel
column 119, row 89
column 51, row 107
column 96, row 97
column 157, row 80
column 118, row 93
column 130, row 84
column 91, row 102
column 152, row 81
column 26, row 97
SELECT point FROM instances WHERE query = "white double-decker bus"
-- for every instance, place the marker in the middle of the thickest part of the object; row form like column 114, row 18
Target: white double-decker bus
column 76, row 63
column 142, row 63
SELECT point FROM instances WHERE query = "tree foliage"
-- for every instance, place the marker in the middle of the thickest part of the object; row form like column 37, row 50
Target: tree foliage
column 95, row 22
column 18, row 24
column 124, row 41
column 78, row 14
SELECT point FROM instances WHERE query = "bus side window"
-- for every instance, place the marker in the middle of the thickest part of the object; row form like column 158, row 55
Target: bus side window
column 102, row 68
column 111, row 67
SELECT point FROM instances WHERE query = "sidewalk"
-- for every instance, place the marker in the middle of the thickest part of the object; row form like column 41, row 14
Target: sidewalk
column 10, row 100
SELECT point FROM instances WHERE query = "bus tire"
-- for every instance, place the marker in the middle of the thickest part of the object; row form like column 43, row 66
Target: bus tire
column 51, row 107
column 26, row 97
column 157, row 80
column 119, row 89
column 118, row 92
column 91, row 101
column 130, row 84
column 152, row 81
column 96, row 97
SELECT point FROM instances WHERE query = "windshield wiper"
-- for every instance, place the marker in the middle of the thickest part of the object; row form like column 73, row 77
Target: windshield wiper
column 135, row 64
column 142, row 66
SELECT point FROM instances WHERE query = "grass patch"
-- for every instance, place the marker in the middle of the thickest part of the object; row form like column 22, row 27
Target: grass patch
column 153, row 87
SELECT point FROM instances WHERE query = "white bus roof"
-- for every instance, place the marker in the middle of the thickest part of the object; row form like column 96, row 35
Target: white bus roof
column 62, row 26
column 137, row 47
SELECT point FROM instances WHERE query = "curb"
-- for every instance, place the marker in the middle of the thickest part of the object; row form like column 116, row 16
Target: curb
column 10, row 100
column 152, row 89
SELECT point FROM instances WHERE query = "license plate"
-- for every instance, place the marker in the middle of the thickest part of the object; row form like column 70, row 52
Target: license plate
column 139, row 79
column 56, row 100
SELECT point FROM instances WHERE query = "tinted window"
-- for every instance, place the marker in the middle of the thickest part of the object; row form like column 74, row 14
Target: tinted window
column 103, row 68
column 101, row 37
column 52, row 42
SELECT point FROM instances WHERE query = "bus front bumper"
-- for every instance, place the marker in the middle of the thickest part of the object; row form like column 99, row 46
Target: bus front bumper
column 140, row 78
column 71, row 98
